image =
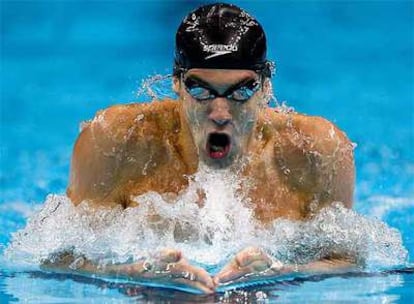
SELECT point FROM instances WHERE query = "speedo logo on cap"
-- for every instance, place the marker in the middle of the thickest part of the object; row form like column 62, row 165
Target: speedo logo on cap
column 219, row 49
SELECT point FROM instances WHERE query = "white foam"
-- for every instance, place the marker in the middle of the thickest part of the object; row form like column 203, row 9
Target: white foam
column 156, row 87
column 208, row 234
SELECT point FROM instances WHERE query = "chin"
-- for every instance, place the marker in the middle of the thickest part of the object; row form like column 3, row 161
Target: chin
column 223, row 163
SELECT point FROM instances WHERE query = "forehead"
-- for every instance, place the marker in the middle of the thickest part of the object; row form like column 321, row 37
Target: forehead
column 221, row 76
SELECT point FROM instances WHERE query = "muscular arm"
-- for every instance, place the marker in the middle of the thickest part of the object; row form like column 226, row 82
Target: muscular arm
column 94, row 163
column 315, row 160
column 168, row 268
column 319, row 162
column 118, row 148
column 254, row 262
column 116, row 155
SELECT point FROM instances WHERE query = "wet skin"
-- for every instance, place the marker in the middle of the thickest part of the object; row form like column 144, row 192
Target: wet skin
column 296, row 164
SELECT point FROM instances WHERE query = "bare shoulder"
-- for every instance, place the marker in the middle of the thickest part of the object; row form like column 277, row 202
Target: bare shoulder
column 117, row 144
column 306, row 133
column 119, row 123
column 325, row 136
column 314, row 156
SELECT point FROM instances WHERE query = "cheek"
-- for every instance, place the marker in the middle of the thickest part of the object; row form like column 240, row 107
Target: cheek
column 246, row 118
column 195, row 112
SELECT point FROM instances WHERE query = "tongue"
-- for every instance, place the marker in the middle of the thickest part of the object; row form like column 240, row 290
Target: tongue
column 217, row 148
column 217, row 151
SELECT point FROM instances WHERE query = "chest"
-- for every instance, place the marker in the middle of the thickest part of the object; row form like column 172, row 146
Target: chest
column 270, row 193
column 263, row 185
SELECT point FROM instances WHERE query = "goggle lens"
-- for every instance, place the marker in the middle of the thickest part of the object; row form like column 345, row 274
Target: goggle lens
column 241, row 93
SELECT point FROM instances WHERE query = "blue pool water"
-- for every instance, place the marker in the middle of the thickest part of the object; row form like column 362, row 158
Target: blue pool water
column 61, row 61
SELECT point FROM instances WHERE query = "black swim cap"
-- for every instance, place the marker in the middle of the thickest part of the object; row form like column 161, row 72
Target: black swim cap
column 220, row 36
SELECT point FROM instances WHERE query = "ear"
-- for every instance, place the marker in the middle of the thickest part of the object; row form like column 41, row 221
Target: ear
column 176, row 84
column 267, row 90
column 267, row 85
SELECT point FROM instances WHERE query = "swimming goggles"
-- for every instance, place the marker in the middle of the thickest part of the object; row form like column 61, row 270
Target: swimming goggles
column 241, row 92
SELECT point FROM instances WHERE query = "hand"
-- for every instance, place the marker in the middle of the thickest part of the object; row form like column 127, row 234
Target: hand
column 169, row 266
column 249, row 261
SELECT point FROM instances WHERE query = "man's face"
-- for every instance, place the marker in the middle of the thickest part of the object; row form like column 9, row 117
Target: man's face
column 221, row 108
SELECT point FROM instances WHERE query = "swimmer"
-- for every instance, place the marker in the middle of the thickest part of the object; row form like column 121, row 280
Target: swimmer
column 296, row 164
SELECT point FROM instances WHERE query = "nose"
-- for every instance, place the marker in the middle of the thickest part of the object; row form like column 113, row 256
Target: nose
column 220, row 112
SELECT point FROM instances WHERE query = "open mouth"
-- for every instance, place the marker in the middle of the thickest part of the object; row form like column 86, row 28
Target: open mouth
column 218, row 145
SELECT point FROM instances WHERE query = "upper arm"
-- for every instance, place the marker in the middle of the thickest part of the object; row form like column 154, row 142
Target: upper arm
column 107, row 152
column 119, row 150
column 336, row 169
column 319, row 158
column 96, row 159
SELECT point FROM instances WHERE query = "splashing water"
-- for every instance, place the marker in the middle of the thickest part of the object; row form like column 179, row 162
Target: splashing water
column 157, row 87
column 208, row 234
